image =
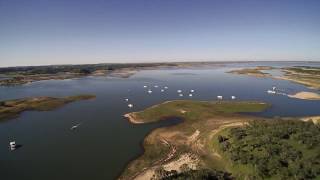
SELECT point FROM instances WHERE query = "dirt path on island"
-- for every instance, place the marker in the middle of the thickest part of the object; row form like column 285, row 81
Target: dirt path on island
column 190, row 159
column 314, row 119
column 148, row 172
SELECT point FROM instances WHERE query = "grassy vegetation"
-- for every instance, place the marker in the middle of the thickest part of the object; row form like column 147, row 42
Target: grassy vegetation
column 12, row 108
column 305, row 70
column 201, row 119
column 197, row 110
column 306, row 75
column 271, row 149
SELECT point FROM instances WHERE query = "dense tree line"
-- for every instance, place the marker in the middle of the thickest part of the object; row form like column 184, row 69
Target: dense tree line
column 285, row 149
column 85, row 68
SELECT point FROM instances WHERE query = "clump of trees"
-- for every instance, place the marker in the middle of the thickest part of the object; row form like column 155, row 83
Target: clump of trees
column 285, row 149
column 190, row 174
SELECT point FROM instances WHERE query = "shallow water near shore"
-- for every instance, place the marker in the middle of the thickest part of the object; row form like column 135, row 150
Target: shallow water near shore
column 105, row 141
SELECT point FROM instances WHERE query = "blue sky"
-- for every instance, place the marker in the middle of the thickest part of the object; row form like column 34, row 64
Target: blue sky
column 38, row 32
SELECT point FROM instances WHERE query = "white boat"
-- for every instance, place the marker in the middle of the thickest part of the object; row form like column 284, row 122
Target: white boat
column 126, row 99
column 180, row 95
column 271, row 92
column 162, row 90
column 233, row 97
column 75, row 126
column 190, row 95
column 192, row 90
column 156, row 86
column 219, row 97
column 149, row 91
column 166, row 87
column 130, row 105
column 145, row 86
column 179, row 91
column 12, row 145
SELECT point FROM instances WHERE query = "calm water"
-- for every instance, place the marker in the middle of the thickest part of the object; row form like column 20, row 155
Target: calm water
column 105, row 142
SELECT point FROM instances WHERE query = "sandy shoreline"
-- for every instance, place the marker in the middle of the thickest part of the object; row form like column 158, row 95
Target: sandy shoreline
column 314, row 119
column 132, row 119
column 305, row 95
column 310, row 85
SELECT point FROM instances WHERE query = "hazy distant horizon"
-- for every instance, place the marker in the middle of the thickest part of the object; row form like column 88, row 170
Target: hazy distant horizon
column 52, row 32
column 176, row 61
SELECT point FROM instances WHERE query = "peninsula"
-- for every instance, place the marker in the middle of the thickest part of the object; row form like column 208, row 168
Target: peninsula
column 305, row 75
column 202, row 146
column 12, row 108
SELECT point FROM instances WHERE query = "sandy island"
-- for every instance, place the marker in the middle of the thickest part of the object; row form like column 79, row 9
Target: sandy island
column 306, row 95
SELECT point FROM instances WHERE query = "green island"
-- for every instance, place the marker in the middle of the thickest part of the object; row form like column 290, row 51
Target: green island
column 216, row 140
column 13, row 108
column 256, row 71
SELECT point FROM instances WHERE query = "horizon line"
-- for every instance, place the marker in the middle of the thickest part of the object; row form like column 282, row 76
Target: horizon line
column 164, row 62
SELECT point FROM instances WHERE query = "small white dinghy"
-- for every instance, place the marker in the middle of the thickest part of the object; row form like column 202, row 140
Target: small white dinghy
column 271, row 92
column 75, row 126
column 130, row 105
column 12, row 145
